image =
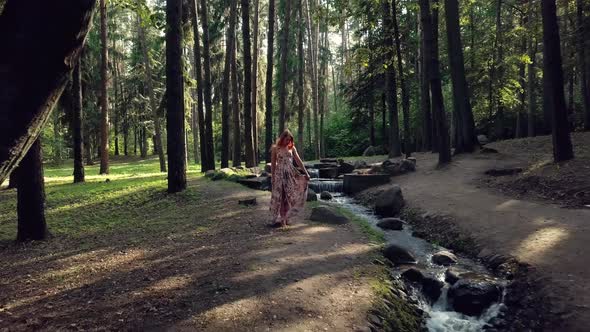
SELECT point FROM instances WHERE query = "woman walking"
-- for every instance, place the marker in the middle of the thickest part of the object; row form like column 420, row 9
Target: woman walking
column 289, row 186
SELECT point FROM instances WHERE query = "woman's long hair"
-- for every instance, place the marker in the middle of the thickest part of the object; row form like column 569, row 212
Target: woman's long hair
column 285, row 140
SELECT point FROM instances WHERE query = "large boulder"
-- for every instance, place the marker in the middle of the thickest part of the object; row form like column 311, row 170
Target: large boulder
column 328, row 215
column 326, row 195
column 399, row 255
column 444, row 257
column 354, row 183
column 345, row 168
column 325, row 165
column 329, row 160
column 328, row 172
column 370, row 151
column 398, row 167
column 390, row 202
column 376, row 168
column 432, row 288
column 413, row 275
column 359, row 164
column 395, row 224
column 483, row 139
column 474, row 294
column 311, row 195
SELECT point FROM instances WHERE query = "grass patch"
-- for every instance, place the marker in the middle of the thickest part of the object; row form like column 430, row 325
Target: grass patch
column 375, row 235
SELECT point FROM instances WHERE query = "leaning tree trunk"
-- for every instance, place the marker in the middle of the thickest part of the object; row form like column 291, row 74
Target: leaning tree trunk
column 37, row 58
column 12, row 182
column 466, row 139
column 104, row 101
column 433, row 72
column 150, row 90
column 225, row 102
column 390, row 83
column 402, row 82
column 31, row 196
column 300, row 82
column 209, row 163
column 77, row 129
column 283, row 73
column 249, row 140
column 552, row 70
column 175, row 98
column 269, row 68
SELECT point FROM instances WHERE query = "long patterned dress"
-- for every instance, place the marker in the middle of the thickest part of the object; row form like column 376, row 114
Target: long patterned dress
column 289, row 187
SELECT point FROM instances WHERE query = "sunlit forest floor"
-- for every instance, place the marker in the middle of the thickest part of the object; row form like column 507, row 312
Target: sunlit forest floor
column 126, row 255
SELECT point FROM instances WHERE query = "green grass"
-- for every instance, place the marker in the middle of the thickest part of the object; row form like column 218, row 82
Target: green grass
column 134, row 199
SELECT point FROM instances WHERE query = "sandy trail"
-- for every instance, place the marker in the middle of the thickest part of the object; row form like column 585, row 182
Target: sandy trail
column 552, row 239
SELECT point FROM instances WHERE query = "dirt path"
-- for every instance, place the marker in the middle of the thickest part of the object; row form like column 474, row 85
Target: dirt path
column 550, row 238
column 227, row 271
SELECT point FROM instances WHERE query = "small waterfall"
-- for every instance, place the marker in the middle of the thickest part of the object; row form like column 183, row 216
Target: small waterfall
column 313, row 173
column 333, row 186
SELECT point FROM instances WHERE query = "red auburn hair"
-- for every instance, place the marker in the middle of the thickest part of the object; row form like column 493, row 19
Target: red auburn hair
column 285, row 140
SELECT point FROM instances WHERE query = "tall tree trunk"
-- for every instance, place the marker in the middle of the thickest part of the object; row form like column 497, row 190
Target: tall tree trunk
column 175, row 98
column 248, row 138
column 313, row 32
column 12, row 182
column 209, row 163
column 104, row 79
column 402, row 80
column 384, row 120
column 562, row 145
column 150, row 90
column 283, row 73
column 56, row 138
column 531, row 74
column 390, row 82
column 425, row 96
column 522, row 80
column 499, row 72
column 255, row 80
column 582, row 61
column 77, row 131
column 31, row 196
column 466, row 140
column 199, row 78
column 235, row 95
column 300, row 82
column 32, row 81
column 225, row 102
column 433, row 72
column 269, row 79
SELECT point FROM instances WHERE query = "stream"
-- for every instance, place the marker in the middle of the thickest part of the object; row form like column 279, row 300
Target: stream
column 441, row 317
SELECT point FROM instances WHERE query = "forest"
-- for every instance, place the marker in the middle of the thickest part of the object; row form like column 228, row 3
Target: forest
column 116, row 114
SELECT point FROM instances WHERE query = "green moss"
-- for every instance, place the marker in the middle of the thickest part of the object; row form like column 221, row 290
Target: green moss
column 375, row 235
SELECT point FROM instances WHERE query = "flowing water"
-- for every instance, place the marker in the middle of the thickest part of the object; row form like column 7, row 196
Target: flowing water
column 441, row 318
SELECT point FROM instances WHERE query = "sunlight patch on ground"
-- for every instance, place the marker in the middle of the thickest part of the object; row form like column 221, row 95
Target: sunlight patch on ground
column 508, row 205
column 170, row 284
column 540, row 242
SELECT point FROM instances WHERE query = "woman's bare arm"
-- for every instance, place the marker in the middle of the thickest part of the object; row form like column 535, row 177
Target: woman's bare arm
column 299, row 161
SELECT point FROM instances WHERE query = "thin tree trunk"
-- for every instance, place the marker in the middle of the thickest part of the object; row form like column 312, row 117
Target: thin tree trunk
column 522, row 80
column 235, row 95
column 531, row 75
column 425, row 96
column 466, row 139
column 300, row 71
column 402, row 80
column 269, row 79
column 225, row 102
column 582, row 61
column 175, row 98
column 104, row 79
column 312, row 49
column 77, row 131
column 283, row 73
column 255, row 81
column 199, row 78
column 209, row 163
column 562, row 145
column 384, row 120
column 150, row 90
column 31, row 196
column 248, row 138
column 390, row 82
column 433, row 71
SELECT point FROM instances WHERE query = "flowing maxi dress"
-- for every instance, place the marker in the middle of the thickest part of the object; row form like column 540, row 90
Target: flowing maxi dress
column 289, row 187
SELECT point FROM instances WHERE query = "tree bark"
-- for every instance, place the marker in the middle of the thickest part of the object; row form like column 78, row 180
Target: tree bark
column 402, row 80
column 248, row 138
column 199, row 78
column 425, row 97
column 175, row 98
column 31, row 196
column 582, row 61
column 104, row 103
column 313, row 32
column 269, row 78
column 466, row 139
column 235, row 95
column 225, row 102
column 283, row 73
column 255, row 81
column 433, row 72
column 390, row 82
column 552, row 69
column 77, row 129
column 150, row 90
column 37, row 58
column 301, row 83
column 209, row 162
